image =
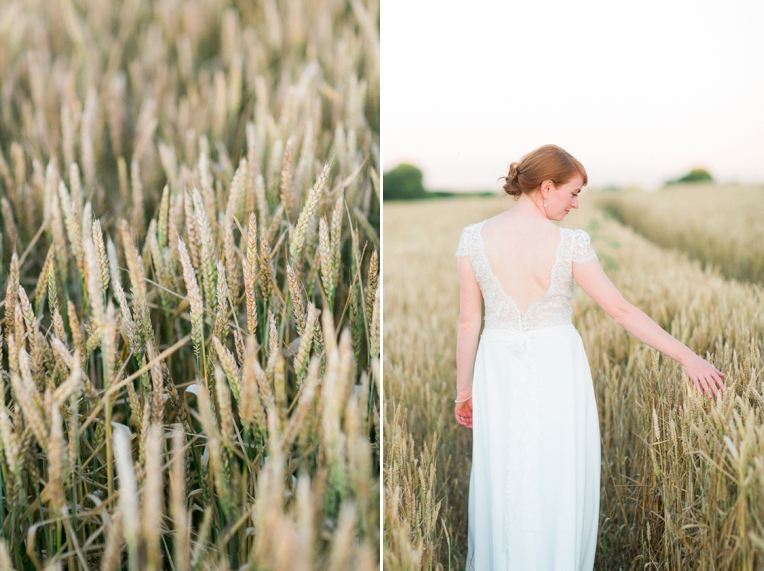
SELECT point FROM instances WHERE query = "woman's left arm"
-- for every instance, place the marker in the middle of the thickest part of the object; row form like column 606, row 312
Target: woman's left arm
column 470, row 318
column 595, row 282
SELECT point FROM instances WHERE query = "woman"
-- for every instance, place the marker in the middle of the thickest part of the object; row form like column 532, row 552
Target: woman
column 527, row 389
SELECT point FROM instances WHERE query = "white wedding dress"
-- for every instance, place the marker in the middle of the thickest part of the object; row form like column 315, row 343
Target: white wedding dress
column 535, row 482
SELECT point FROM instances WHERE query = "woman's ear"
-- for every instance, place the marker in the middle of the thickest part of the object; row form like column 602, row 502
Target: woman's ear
column 546, row 187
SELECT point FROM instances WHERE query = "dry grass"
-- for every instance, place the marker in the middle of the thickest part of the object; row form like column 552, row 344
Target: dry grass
column 681, row 476
column 188, row 364
column 715, row 224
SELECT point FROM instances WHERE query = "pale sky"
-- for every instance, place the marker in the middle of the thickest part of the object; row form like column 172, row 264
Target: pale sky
column 639, row 92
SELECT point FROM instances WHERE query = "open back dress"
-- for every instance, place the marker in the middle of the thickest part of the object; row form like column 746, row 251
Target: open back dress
column 535, row 482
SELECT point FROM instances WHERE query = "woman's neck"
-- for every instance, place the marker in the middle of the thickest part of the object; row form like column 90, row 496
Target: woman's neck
column 530, row 206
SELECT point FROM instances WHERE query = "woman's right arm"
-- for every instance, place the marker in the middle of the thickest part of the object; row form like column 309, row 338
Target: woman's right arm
column 595, row 282
column 470, row 318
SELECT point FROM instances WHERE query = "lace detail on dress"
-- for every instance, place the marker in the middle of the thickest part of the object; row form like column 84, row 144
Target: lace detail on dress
column 466, row 241
column 582, row 248
column 501, row 311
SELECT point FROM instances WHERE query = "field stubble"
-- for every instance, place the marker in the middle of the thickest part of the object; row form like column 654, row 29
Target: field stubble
column 681, row 476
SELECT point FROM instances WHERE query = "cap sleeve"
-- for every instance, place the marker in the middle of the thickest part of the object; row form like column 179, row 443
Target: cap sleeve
column 465, row 242
column 582, row 248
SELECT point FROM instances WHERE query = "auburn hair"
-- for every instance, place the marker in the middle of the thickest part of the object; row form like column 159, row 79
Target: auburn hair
column 549, row 162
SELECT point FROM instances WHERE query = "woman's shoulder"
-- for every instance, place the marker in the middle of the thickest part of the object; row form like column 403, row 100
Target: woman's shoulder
column 475, row 225
column 467, row 239
column 580, row 245
column 472, row 229
column 576, row 234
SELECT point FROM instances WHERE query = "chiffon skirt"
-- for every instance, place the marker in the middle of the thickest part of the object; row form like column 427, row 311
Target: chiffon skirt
column 535, row 481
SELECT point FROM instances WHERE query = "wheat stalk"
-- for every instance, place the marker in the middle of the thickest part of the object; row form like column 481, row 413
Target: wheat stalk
column 189, row 169
column 194, row 299
column 151, row 519
column 229, row 366
column 127, row 493
column 306, row 216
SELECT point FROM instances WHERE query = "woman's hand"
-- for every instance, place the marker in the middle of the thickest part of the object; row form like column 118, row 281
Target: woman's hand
column 706, row 377
column 464, row 413
column 593, row 280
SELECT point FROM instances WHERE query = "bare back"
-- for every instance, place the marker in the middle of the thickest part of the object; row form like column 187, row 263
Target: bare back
column 521, row 254
column 524, row 269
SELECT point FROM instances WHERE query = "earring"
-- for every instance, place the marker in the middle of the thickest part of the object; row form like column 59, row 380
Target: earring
column 545, row 204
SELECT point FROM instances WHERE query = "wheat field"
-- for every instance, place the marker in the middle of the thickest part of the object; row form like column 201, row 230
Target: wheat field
column 189, row 358
column 718, row 225
column 682, row 476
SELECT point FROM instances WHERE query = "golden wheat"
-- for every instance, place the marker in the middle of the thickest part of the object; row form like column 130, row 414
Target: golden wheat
column 718, row 225
column 680, row 474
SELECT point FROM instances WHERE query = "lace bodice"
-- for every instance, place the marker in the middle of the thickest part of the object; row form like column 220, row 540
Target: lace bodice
column 501, row 311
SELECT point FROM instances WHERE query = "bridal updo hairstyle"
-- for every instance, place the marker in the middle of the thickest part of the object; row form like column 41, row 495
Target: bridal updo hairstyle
column 549, row 162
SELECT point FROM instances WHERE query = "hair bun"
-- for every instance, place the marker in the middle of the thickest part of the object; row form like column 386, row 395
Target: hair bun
column 512, row 186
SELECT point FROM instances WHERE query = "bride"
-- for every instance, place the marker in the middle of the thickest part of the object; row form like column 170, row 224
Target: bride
column 526, row 389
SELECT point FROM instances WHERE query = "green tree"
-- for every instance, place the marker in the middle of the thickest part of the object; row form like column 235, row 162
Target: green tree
column 696, row 175
column 404, row 182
